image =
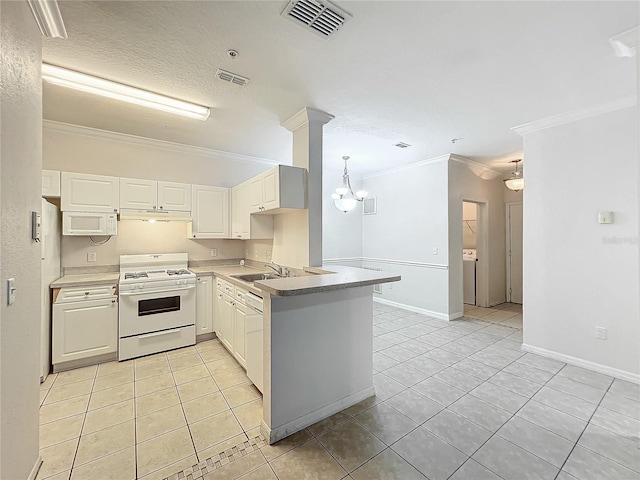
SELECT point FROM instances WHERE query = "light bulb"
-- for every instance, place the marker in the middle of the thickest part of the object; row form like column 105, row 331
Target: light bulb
column 342, row 190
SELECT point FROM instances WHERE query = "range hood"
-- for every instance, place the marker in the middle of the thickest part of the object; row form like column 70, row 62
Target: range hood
column 155, row 216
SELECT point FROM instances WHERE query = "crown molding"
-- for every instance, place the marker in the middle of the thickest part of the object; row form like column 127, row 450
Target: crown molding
column 90, row 132
column 306, row 115
column 575, row 115
column 428, row 161
column 477, row 167
column 626, row 44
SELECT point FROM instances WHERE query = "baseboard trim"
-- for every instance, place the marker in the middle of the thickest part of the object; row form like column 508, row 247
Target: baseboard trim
column 423, row 311
column 35, row 469
column 272, row 435
column 579, row 362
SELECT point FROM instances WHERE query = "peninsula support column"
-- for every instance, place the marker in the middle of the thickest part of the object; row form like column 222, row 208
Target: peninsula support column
column 306, row 126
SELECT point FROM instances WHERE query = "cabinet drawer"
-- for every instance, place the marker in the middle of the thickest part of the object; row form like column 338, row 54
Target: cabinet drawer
column 149, row 343
column 219, row 284
column 240, row 295
column 228, row 288
column 77, row 294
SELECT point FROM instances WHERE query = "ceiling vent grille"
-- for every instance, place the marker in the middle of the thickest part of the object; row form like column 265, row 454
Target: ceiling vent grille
column 232, row 77
column 322, row 18
column 401, row 145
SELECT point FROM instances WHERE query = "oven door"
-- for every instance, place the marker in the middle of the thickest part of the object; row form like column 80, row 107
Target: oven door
column 146, row 312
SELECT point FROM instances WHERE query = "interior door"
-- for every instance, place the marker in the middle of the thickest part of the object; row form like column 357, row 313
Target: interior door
column 515, row 253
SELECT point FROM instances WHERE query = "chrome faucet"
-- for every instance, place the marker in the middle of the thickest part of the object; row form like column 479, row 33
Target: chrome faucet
column 277, row 268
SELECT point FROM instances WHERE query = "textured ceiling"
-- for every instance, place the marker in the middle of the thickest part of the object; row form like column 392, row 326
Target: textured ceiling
column 416, row 72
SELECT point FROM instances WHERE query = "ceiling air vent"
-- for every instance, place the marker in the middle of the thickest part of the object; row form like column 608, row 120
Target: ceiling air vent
column 369, row 206
column 401, row 145
column 232, row 77
column 322, row 18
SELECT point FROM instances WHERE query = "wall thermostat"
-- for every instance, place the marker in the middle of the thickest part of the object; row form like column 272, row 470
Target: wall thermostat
column 605, row 217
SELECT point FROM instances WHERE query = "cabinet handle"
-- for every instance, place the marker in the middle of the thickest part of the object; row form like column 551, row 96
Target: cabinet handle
column 154, row 207
column 115, row 210
column 86, row 293
column 113, row 301
column 161, row 207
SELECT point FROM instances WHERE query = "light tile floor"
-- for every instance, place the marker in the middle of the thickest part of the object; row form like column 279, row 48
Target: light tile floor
column 456, row 400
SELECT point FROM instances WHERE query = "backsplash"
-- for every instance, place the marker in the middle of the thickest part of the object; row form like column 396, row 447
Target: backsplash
column 138, row 237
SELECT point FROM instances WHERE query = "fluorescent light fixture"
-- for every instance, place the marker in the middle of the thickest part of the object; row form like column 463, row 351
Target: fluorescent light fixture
column 117, row 91
column 48, row 18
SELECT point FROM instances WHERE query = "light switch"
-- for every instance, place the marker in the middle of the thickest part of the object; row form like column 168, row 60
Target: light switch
column 11, row 291
column 605, row 217
column 435, row 250
column 214, row 252
column 91, row 256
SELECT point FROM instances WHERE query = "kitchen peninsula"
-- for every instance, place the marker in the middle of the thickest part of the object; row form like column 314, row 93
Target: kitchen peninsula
column 318, row 346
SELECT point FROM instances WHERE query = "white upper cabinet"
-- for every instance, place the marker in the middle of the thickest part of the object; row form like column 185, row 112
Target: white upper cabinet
column 210, row 212
column 81, row 192
column 174, row 197
column 152, row 195
column 244, row 225
column 136, row 194
column 281, row 187
column 51, row 183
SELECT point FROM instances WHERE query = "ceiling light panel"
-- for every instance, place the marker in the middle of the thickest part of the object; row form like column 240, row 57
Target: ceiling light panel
column 117, row 91
column 322, row 18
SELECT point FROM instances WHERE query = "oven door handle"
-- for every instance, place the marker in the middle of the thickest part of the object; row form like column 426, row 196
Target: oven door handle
column 144, row 292
column 157, row 334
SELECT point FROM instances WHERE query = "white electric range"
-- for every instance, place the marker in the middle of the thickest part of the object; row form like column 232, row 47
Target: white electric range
column 157, row 304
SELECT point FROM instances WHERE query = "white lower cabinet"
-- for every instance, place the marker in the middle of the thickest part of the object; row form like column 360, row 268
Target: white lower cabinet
column 204, row 305
column 231, row 318
column 83, row 328
column 225, row 320
column 240, row 334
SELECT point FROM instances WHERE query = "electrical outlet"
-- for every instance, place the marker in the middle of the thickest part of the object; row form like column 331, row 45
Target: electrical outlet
column 601, row 333
column 435, row 250
column 256, row 254
column 214, row 252
column 91, row 257
column 267, row 254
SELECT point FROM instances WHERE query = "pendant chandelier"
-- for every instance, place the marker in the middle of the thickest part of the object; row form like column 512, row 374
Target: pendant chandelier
column 344, row 198
column 515, row 182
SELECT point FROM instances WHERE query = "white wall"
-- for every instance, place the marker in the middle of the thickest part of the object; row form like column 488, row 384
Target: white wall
column 579, row 274
column 85, row 150
column 138, row 237
column 411, row 220
column 488, row 191
column 20, row 193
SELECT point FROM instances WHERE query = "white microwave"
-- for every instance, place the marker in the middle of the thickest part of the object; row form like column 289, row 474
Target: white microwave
column 89, row 223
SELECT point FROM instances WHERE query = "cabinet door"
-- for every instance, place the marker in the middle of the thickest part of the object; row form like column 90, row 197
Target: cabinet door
column 271, row 189
column 210, row 212
column 84, row 329
column 254, row 194
column 51, row 183
column 204, row 305
column 240, row 334
column 227, row 311
column 174, row 197
column 136, row 194
column 237, row 211
column 89, row 193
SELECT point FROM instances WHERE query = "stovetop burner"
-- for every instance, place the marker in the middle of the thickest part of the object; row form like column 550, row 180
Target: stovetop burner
column 178, row 272
column 136, row 275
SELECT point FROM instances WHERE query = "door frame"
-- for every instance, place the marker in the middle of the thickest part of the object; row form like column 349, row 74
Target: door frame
column 482, row 249
column 508, row 205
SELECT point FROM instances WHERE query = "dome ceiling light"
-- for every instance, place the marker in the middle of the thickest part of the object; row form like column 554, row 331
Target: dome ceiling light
column 515, row 182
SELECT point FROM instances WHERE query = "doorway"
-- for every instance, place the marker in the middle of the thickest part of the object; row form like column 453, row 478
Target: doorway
column 514, row 252
column 469, row 251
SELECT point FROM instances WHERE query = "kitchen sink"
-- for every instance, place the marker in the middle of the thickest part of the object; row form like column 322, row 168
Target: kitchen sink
column 254, row 277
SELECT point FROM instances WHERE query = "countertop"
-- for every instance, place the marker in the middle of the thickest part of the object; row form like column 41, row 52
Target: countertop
column 226, row 272
column 341, row 278
column 86, row 280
